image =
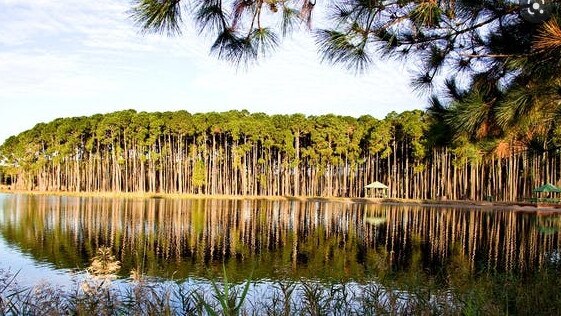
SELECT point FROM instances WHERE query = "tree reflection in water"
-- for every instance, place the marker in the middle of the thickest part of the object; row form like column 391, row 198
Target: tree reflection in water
column 284, row 240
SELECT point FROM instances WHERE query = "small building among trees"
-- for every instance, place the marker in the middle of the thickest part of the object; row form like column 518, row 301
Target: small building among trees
column 377, row 190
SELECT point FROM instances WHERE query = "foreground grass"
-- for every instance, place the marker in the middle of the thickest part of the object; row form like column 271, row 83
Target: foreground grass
column 486, row 295
column 101, row 297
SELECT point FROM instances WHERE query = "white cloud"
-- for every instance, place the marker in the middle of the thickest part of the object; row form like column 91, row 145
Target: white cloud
column 294, row 81
column 82, row 57
column 43, row 73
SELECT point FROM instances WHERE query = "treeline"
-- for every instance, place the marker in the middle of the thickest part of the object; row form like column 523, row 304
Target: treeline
column 242, row 153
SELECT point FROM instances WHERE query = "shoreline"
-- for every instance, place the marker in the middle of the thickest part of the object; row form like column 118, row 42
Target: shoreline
column 516, row 206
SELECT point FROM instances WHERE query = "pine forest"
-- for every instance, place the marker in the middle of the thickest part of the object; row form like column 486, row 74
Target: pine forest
column 255, row 154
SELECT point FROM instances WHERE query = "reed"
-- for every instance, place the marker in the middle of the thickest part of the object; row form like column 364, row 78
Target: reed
column 489, row 294
column 227, row 295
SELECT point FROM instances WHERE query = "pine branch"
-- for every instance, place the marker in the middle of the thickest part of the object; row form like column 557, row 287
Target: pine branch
column 548, row 38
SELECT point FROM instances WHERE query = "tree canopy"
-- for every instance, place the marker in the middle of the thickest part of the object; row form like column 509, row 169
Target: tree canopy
column 492, row 67
column 243, row 153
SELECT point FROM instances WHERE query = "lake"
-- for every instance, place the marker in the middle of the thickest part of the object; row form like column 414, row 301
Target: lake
column 404, row 248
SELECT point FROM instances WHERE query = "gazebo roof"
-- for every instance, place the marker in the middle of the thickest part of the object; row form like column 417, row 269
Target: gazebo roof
column 380, row 185
column 547, row 188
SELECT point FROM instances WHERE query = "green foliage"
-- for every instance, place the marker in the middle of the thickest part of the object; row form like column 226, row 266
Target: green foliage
column 123, row 141
column 465, row 152
column 158, row 16
column 488, row 294
column 227, row 296
column 500, row 72
column 199, row 174
column 243, row 30
column 244, row 153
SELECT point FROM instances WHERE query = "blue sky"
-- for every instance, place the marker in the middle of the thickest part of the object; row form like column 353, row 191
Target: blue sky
column 72, row 58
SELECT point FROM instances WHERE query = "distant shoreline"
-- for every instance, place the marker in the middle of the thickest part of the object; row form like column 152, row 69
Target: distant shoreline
column 518, row 206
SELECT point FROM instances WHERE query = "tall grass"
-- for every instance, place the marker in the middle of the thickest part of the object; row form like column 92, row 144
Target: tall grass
column 227, row 295
column 484, row 295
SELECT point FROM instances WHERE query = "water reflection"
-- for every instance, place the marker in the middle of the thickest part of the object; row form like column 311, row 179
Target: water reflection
column 276, row 239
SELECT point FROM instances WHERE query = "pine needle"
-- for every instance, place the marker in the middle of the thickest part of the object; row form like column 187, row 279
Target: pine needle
column 549, row 37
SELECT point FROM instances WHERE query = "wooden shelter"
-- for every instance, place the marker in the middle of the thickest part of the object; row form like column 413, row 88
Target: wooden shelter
column 379, row 189
column 548, row 189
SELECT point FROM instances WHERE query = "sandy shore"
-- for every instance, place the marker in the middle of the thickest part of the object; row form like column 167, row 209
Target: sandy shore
column 518, row 206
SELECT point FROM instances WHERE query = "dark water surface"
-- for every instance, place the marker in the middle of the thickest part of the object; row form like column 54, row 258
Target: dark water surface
column 48, row 236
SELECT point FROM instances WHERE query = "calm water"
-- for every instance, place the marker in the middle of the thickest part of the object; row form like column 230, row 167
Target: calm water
column 48, row 237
